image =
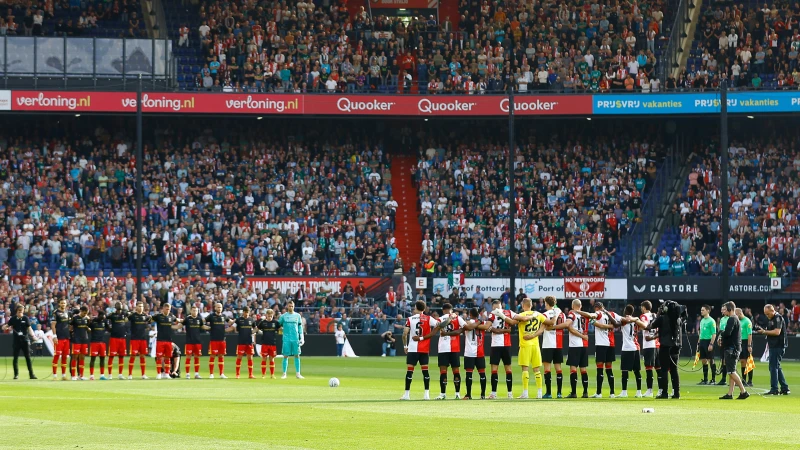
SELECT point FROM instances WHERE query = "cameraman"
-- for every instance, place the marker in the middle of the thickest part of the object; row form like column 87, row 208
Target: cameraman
column 776, row 340
column 732, row 346
column 669, row 323
column 20, row 325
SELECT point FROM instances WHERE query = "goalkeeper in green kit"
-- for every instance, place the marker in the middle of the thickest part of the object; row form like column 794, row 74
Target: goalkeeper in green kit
column 293, row 339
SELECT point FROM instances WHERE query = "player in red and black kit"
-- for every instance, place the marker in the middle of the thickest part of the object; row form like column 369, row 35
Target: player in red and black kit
column 165, row 323
column 194, row 326
column 139, row 338
column 268, row 327
column 80, row 341
column 97, row 345
column 118, row 321
column 59, row 323
column 245, row 326
column 420, row 327
column 215, row 325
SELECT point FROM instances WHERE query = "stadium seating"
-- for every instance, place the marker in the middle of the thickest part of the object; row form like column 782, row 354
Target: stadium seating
column 297, row 46
column 753, row 44
column 762, row 225
column 570, row 220
column 78, row 18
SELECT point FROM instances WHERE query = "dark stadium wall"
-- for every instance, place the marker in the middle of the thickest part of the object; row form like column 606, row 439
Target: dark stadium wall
column 370, row 345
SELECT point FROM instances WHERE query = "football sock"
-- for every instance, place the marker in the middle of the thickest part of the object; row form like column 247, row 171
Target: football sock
column 573, row 381
column 263, row 367
column 750, row 376
column 211, row 365
column 409, row 377
column 196, row 365
column 131, row 362
column 249, row 368
column 649, row 373
column 537, row 376
column 63, row 364
column 624, row 380
column 713, row 371
column 469, row 383
column 638, row 375
column 91, row 366
column 238, row 366
column 443, row 381
column 55, row 365
column 72, row 365
column 457, row 380
column 285, row 364
column 705, row 372
column 610, row 377
column 222, row 364
column 509, row 381
column 103, row 366
column 495, row 380
column 142, row 364
column 272, row 367
column 426, row 378
column 81, row 367
column 482, row 375
column 585, row 381
column 559, row 380
column 547, row 380
column 525, row 379
column 599, row 380
column 296, row 364
column 188, row 364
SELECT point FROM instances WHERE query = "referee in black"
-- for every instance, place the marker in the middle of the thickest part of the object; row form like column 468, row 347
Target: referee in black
column 732, row 346
column 21, row 328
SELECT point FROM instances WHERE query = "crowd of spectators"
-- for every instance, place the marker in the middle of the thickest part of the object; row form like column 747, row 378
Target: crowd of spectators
column 748, row 46
column 763, row 218
column 267, row 202
column 577, row 196
column 299, row 46
column 72, row 18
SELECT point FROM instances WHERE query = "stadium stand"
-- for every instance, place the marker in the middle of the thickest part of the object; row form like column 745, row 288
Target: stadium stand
column 752, row 44
column 578, row 196
column 298, row 46
column 73, row 18
column 763, row 223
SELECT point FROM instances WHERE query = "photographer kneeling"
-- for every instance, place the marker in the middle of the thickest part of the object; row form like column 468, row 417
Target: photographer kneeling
column 732, row 347
column 669, row 323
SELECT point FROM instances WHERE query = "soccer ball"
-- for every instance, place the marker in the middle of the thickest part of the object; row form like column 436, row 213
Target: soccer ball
column 333, row 382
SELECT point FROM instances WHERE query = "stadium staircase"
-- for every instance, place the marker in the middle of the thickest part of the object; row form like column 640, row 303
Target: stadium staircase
column 408, row 233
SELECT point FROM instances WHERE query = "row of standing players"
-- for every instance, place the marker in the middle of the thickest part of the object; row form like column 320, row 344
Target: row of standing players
column 551, row 325
column 79, row 335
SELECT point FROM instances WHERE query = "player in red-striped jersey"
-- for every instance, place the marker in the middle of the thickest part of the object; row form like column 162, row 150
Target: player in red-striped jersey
column 650, row 345
column 420, row 328
column 501, row 349
column 578, row 357
column 449, row 349
column 630, row 353
column 552, row 345
column 474, row 351
column 604, row 323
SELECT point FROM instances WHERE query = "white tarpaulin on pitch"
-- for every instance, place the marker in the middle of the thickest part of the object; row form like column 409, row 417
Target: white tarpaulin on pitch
column 348, row 350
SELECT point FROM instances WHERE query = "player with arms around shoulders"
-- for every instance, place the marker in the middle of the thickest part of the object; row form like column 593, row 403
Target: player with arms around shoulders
column 165, row 324
column 474, row 351
column 268, row 328
column 245, row 326
column 630, row 353
column 97, row 345
column 552, row 345
column 531, row 325
column 417, row 334
column 80, row 341
column 449, row 349
column 604, row 324
column 193, row 325
column 139, row 338
column 215, row 324
column 501, row 347
column 293, row 338
column 650, row 345
column 60, row 323
column 578, row 356
column 117, row 343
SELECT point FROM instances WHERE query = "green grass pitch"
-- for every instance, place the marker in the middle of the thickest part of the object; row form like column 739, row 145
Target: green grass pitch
column 364, row 413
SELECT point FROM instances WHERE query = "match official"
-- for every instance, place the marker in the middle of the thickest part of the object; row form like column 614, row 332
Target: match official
column 777, row 342
column 731, row 343
column 21, row 328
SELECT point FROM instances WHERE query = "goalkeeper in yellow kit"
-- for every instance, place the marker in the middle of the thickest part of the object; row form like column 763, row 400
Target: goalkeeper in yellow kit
column 530, row 324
